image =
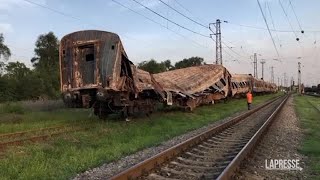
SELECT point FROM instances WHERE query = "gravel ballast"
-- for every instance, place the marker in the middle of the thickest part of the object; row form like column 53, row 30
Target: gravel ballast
column 281, row 142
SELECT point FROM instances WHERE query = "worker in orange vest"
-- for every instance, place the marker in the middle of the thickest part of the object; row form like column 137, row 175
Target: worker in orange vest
column 249, row 99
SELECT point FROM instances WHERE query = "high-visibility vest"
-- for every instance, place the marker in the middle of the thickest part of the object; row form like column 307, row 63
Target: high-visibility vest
column 249, row 97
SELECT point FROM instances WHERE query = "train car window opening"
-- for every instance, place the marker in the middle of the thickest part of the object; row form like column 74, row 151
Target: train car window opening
column 90, row 57
column 223, row 82
column 112, row 47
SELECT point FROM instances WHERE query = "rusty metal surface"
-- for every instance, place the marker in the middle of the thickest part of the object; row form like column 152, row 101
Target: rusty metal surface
column 90, row 58
column 235, row 163
column 143, row 80
column 237, row 88
column 193, row 80
column 157, row 160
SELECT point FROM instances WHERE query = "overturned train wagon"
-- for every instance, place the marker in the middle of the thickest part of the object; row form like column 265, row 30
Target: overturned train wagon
column 193, row 86
column 95, row 72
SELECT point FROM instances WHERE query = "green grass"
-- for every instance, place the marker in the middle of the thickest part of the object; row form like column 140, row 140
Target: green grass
column 310, row 122
column 66, row 155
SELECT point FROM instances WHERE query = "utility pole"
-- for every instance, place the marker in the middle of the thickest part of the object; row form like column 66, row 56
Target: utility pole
column 278, row 83
column 291, row 83
column 272, row 75
column 262, row 64
column 255, row 66
column 285, row 79
column 218, row 41
column 299, row 77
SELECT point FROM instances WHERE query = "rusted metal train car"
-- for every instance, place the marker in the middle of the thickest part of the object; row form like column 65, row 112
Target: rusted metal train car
column 242, row 83
column 95, row 72
column 192, row 86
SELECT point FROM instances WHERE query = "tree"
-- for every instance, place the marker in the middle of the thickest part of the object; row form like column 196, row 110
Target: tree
column 193, row 61
column 46, row 63
column 4, row 50
column 4, row 53
column 153, row 66
column 20, row 83
column 167, row 64
column 17, row 70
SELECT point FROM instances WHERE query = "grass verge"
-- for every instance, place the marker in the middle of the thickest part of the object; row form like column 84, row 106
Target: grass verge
column 65, row 156
column 308, row 110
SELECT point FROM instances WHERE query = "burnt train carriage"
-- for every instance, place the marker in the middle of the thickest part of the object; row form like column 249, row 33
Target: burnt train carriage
column 96, row 72
column 241, row 84
column 192, row 86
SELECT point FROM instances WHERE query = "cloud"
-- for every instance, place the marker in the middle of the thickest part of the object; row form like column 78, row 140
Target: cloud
column 9, row 4
column 5, row 28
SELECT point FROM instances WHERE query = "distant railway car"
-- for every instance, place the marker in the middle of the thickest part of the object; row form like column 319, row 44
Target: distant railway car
column 241, row 84
column 192, row 86
column 95, row 72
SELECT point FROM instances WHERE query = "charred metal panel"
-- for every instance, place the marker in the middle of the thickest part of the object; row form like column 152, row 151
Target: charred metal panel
column 241, row 84
column 193, row 86
column 90, row 58
column 193, row 80
column 143, row 80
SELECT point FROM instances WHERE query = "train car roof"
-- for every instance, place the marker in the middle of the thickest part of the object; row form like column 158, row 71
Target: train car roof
column 92, row 33
column 191, row 80
column 240, row 77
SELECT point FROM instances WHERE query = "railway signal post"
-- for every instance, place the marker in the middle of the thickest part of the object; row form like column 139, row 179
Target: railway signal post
column 255, row 66
column 299, row 77
column 262, row 67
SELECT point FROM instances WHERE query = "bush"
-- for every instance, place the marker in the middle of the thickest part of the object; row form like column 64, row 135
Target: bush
column 12, row 108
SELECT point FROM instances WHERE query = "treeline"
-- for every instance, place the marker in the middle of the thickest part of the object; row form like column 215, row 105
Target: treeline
column 153, row 66
column 18, row 82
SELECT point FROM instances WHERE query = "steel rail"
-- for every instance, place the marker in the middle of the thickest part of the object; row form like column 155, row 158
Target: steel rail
column 154, row 162
column 37, row 138
column 228, row 172
column 20, row 133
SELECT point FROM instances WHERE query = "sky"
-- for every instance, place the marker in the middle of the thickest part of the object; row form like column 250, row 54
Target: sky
column 146, row 35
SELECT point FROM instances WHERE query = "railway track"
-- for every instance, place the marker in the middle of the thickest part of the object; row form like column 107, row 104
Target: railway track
column 314, row 106
column 18, row 138
column 214, row 154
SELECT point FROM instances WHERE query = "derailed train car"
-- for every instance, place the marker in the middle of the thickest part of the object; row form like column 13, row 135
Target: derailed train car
column 95, row 72
column 242, row 83
column 193, row 86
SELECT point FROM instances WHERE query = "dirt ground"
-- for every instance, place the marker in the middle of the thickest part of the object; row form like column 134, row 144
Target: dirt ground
column 281, row 142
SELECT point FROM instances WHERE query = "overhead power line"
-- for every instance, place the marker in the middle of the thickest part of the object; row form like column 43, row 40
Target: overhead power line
column 287, row 17
column 152, row 20
column 294, row 12
column 265, row 29
column 163, row 17
column 53, row 10
column 268, row 7
column 205, row 26
column 265, row 20
column 183, row 7
column 73, row 17
column 197, row 23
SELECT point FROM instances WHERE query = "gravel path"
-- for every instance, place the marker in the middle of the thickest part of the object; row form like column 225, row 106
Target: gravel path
column 281, row 142
column 109, row 169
